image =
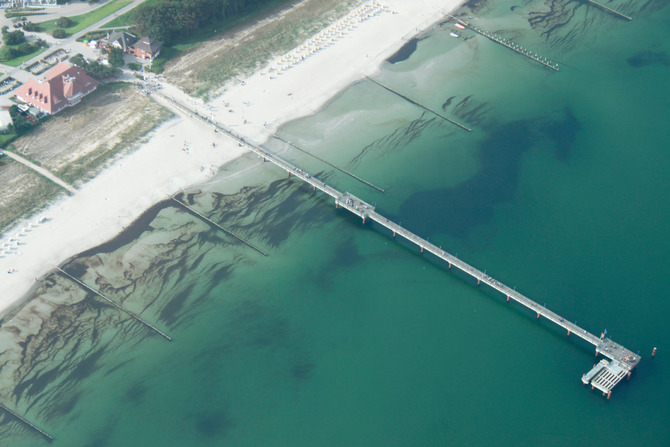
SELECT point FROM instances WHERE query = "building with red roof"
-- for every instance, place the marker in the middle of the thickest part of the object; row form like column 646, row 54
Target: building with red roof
column 63, row 86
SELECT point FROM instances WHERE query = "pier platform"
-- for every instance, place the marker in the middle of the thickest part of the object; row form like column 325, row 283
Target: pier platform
column 605, row 376
column 622, row 361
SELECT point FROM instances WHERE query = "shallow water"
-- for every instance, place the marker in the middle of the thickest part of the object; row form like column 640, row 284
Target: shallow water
column 342, row 336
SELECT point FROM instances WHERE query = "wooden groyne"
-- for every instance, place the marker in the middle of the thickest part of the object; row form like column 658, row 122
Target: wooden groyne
column 242, row 140
column 350, row 174
column 610, row 10
column 117, row 306
column 225, row 230
column 508, row 43
column 410, row 100
column 28, row 423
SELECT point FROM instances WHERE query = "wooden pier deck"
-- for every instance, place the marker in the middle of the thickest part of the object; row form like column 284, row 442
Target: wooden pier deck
column 28, row 423
column 117, row 306
column 507, row 43
column 621, row 357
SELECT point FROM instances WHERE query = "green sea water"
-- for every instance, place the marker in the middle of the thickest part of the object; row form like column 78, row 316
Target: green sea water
column 343, row 336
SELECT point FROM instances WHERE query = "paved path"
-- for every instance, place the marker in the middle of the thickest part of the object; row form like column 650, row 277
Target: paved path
column 44, row 172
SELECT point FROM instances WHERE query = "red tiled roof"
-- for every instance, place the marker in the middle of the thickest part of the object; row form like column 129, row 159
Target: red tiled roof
column 61, row 83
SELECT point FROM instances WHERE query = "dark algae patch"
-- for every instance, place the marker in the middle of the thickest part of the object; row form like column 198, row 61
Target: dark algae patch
column 457, row 210
column 645, row 58
column 405, row 52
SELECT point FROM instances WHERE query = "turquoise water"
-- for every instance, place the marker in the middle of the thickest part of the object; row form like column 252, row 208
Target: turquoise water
column 343, row 336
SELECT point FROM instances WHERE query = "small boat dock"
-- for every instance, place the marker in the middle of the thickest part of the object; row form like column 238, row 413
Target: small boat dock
column 507, row 43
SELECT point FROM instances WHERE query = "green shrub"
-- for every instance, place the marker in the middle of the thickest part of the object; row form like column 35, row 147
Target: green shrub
column 64, row 22
column 78, row 60
column 115, row 57
column 14, row 37
column 25, row 48
column 59, row 33
column 30, row 26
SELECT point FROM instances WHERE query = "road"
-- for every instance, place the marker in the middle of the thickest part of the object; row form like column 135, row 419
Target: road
column 68, row 43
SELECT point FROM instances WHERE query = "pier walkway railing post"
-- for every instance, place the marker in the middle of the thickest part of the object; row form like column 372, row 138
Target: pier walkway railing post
column 623, row 360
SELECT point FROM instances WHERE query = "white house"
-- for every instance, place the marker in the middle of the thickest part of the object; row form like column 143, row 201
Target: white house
column 5, row 120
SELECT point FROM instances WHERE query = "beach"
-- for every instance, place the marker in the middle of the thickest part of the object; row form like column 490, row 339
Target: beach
column 346, row 334
column 180, row 153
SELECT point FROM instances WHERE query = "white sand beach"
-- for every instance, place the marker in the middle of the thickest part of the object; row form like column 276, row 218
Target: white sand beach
column 292, row 86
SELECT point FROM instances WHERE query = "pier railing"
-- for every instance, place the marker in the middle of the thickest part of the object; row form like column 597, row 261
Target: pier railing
column 623, row 361
column 508, row 43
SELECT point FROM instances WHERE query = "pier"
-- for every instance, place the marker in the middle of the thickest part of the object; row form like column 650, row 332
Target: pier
column 113, row 304
column 211, row 222
column 411, row 101
column 350, row 174
column 610, row 10
column 623, row 361
column 509, row 44
column 28, row 423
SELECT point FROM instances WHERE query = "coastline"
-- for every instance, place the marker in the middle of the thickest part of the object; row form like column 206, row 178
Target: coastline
column 178, row 154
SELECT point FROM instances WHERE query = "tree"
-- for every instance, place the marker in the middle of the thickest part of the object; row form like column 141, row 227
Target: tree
column 115, row 57
column 101, row 71
column 170, row 20
column 64, row 22
column 11, row 52
column 25, row 48
column 59, row 33
column 30, row 26
column 95, row 69
column 157, row 20
column 19, row 121
column 78, row 60
column 14, row 37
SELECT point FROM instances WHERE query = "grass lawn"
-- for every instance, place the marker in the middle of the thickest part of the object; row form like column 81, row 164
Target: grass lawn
column 36, row 193
column 85, row 20
column 21, row 59
column 10, row 15
column 6, row 138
